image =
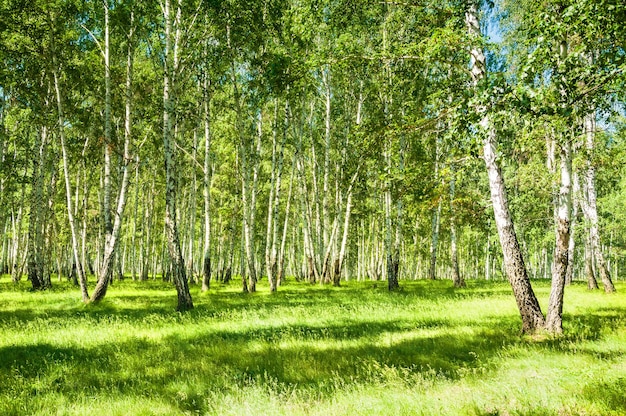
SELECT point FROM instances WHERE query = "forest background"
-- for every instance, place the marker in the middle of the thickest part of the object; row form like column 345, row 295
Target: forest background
column 315, row 140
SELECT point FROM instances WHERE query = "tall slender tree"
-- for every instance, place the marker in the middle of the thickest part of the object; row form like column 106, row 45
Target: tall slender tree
column 527, row 303
column 172, row 22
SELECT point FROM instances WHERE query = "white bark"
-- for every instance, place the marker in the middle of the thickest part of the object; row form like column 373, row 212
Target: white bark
column 82, row 279
column 530, row 311
column 108, row 144
column 206, row 184
column 171, row 226
column 112, row 235
column 456, row 275
column 590, row 205
column 346, row 228
column 554, row 321
column 562, row 210
column 569, row 275
column 326, row 240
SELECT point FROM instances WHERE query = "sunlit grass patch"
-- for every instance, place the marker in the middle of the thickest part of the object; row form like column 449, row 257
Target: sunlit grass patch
column 358, row 349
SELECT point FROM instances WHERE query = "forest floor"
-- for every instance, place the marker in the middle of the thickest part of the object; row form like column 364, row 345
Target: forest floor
column 308, row 350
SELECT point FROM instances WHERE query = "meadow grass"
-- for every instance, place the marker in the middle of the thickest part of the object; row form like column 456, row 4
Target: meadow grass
column 428, row 349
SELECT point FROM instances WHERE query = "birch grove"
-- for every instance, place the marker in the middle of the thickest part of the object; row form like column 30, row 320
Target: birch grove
column 276, row 141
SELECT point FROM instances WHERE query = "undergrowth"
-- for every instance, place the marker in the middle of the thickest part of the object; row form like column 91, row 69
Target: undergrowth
column 311, row 350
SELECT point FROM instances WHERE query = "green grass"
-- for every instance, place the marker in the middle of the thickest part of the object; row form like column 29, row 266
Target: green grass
column 356, row 350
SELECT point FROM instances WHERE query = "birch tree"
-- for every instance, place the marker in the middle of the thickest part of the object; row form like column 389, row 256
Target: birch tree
column 172, row 22
column 589, row 203
column 530, row 311
column 563, row 209
column 114, row 226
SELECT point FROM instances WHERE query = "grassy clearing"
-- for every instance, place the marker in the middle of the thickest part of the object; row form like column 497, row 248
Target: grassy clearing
column 310, row 350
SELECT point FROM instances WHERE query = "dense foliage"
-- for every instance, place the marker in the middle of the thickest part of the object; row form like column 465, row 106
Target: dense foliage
column 318, row 140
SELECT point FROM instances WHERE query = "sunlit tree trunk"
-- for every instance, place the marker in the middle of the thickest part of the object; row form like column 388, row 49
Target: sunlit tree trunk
column 434, row 240
column 339, row 262
column 392, row 248
column 113, row 233
column 563, row 207
column 554, row 320
column 312, row 272
column 569, row 275
column 173, row 241
column 191, row 236
column 17, row 241
column 391, row 239
column 326, row 239
column 251, row 243
column 281, row 253
column 592, row 283
column 81, row 277
column 206, row 182
column 133, row 247
column 435, row 219
column 271, row 237
column 589, row 204
column 530, row 311
column 100, row 290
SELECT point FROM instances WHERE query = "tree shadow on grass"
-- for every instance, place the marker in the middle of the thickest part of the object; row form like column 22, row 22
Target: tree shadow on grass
column 157, row 299
column 610, row 393
column 310, row 359
column 314, row 359
column 586, row 327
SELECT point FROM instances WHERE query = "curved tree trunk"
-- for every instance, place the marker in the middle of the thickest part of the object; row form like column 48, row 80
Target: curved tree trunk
column 113, row 229
column 530, row 311
column 81, row 277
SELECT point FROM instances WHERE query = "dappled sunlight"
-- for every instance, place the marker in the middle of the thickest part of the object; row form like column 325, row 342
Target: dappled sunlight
column 307, row 350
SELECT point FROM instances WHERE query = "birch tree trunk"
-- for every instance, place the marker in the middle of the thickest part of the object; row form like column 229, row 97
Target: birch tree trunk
column 434, row 241
column 206, row 183
column 590, row 205
column 592, row 283
column 108, row 150
column 392, row 249
column 530, row 311
column 17, row 245
column 81, row 277
column 171, row 227
column 112, row 234
column 569, row 274
column 563, row 208
column 339, row 262
column 554, row 320
column 327, row 240
column 250, row 154
column 36, row 226
column 312, row 272
column 281, row 253
column 271, row 238
column 192, row 214
column 457, row 279
column 133, row 246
